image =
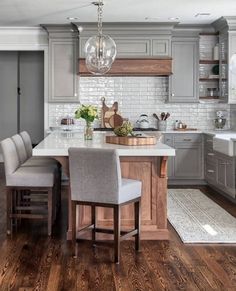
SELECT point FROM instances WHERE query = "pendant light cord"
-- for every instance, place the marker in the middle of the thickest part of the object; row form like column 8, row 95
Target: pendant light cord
column 100, row 4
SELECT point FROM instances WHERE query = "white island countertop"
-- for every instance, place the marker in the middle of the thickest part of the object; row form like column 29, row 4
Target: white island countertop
column 58, row 142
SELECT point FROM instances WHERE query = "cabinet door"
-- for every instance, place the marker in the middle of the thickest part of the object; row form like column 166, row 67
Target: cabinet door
column 226, row 174
column 183, row 82
column 161, row 47
column 126, row 47
column 188, row 161
column 221, row 172
column 63, row 79
column 230, row 178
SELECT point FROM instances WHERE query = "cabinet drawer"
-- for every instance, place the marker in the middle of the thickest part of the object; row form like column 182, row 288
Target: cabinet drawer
column 168, row 139
column 208, row 142
column 210, row 158
column 210, row 172
column 191, row 138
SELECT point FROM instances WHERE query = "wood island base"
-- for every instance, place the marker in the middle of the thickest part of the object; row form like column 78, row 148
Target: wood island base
column 152, row 172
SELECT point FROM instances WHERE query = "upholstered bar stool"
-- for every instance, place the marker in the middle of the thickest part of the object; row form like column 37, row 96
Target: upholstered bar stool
column 24, row 149
column 37, row 161
column 32, row 179
column 95, row 180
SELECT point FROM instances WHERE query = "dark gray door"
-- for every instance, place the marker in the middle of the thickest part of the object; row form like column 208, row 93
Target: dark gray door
column 8, row 94
column 32, row 94
column 24, row 72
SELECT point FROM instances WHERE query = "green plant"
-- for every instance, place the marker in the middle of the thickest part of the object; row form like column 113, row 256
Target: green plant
column 87, row 112
column 124, row 130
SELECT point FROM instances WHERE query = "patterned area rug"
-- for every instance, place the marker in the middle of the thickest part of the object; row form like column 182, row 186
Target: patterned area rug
column 198, row 219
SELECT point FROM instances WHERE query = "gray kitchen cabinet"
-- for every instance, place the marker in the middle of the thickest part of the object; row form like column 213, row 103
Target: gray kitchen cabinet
column 188, row 163
column 225, row 178
column 63, row 55
column 219, row 169
column 161, row 47
column 126, row 47
column 184, row 81
column 130, row 47
column 63, row 79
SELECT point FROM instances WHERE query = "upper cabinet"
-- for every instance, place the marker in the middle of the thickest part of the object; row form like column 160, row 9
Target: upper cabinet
column 63, row 55
column 133, row 40
column 184, row 81
column 135, row 47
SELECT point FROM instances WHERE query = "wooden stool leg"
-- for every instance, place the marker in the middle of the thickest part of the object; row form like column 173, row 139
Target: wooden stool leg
column 137, row 221
column 73, row 226
column 117, row 233
column 59, row 190
column 9, row 211
column 93, row 210
column 50, row 195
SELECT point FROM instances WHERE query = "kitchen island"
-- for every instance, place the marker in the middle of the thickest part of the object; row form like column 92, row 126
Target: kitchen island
column 145, row 163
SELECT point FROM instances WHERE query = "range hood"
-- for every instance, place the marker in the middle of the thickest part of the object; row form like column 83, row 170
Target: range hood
column 134, row 67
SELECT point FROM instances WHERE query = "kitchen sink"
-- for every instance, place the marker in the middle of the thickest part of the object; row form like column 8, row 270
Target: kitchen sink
column 225, row 144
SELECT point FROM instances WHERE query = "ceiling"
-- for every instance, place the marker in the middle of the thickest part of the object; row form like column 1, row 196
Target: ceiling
column 31, row 13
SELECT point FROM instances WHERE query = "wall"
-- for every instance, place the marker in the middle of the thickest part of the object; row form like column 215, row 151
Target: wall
column 137, row 95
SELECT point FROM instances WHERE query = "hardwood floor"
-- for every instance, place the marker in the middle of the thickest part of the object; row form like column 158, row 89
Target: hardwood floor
column 32, row 261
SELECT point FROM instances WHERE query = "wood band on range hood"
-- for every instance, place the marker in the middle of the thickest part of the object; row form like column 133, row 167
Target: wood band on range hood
column 134, row 67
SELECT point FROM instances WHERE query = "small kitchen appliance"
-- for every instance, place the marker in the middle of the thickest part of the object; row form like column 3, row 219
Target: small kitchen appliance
column 220, row 120
column 143, row 121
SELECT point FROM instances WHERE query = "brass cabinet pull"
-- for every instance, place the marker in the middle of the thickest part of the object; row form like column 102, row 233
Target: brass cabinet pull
column 210, row 171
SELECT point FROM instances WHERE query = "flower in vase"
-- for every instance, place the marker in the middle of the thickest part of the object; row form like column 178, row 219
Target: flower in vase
column 87, row 112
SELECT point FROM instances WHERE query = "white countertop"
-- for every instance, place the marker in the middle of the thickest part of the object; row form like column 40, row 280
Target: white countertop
column 58, row 142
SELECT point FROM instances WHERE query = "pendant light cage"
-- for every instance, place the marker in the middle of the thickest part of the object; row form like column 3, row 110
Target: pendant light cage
column 100, row 50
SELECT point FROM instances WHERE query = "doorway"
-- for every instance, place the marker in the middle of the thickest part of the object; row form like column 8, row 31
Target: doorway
column 22, row 93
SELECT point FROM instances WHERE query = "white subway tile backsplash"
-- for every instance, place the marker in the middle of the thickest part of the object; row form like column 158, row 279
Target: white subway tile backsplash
column 137, row 95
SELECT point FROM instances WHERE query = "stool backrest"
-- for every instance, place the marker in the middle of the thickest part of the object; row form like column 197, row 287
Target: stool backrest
column 28, row 143
column 10, row 156
column 95, row 175
column 20, row 148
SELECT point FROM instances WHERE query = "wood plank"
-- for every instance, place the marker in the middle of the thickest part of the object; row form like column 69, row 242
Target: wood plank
column 133, row 67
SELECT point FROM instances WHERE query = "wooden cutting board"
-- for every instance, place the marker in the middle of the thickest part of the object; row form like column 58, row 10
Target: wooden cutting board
column 131, row 140
column 115, row 120
column 107, row 112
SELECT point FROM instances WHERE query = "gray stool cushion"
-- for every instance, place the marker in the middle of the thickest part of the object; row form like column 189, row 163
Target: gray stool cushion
column 129, row 190
column 31, row 177
column 95, row 176
column 41, row 162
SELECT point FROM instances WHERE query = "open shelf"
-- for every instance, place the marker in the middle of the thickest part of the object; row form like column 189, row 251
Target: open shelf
column 208, row 79
column 208, row 62
column 208, row 97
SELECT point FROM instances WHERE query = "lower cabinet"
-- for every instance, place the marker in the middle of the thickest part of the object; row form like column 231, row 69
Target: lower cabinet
column 188, row 163
column 219, row 169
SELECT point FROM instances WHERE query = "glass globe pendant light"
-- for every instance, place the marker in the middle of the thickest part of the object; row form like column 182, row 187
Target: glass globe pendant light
column 100, row 50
